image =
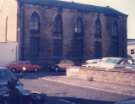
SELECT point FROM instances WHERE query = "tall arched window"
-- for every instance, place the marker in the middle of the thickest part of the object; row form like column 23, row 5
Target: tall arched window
column 34, row 23
column 78, row 27
column 78, row 46
column 57, row 38
column 57, row 28
column 115, row 40
column 98, row 28
column 98, row 41
column 34, row 27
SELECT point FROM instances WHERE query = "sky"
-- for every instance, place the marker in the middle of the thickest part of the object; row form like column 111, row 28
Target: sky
column 125, row 6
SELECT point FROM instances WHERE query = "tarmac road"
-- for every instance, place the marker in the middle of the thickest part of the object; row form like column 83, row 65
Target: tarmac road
column 60, row 93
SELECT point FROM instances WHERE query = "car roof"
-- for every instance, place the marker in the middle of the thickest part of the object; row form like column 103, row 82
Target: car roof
column 2, row 67
column 113, row 57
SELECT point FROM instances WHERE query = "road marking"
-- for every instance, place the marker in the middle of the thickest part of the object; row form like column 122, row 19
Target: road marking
column 89, row 87
column 66, row 101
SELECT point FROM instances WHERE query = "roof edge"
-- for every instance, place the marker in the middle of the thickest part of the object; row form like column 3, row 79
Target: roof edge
column 74, row 5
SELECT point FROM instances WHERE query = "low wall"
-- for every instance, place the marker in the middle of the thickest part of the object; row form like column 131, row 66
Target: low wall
column 119, row 76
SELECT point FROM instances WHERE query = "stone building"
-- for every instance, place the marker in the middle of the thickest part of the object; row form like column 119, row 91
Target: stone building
column 51, row 30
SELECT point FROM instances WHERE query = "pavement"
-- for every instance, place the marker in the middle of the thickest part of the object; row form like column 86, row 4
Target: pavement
column 102, row 86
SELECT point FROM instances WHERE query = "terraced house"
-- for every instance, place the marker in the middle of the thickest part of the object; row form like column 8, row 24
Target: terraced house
column 51, row 30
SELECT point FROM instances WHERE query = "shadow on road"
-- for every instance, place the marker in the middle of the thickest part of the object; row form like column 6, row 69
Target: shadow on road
column 71, row 100
column 34, row 75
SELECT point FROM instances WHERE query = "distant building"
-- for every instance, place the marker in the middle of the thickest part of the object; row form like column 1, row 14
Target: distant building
column 51, row 30
column 131, row 47
column 8, row 32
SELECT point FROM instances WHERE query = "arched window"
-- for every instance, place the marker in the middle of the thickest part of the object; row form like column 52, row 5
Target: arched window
column 34, row 23
column 98, row 28
column 78, row 27
column 57, row 25
column 34, row 27
column 34, row 47
column 78, row 43
column 57, row 38
column 98, row 36
column 115, row 40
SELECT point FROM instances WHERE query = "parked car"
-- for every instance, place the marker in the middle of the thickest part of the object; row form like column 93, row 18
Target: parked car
column 55, row 68
column 11, row 90
column 23, row 66
column 117, row 62
column 64, row 64
column 128, row 101
column 113, row 62
column 90, row 63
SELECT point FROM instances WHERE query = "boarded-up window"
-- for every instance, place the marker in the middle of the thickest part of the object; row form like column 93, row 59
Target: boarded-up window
column 78, row 49
column 57, row 49
column 98, row 49
column 35, row 46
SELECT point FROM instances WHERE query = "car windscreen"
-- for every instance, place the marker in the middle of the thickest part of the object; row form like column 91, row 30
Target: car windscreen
column 6, row 75
column 112, row 60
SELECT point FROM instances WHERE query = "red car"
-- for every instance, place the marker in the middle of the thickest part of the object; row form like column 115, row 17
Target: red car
column 23, row 66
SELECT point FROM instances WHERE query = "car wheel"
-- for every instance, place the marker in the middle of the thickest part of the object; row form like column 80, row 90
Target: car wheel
column 57, row 68
column 13, row 69
column 20, row 73
column 5, row 102
column 35, row 69
column 38, row 98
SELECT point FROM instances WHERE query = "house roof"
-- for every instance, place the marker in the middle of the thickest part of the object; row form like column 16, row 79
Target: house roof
column 73, row 5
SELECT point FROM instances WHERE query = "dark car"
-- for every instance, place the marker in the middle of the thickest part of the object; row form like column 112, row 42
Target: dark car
column 11, row 90
column 127, row 101
column 65, row 63
column 62, row 65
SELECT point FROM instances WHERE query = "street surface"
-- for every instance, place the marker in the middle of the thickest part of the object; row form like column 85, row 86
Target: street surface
column 66, row 91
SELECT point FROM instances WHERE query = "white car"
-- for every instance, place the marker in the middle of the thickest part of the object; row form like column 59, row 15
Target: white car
column 110, row 62
column 91, row 63
column 117, row 62
column 113, row 62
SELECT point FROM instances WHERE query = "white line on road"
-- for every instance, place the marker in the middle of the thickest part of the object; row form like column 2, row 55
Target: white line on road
column 66, row 101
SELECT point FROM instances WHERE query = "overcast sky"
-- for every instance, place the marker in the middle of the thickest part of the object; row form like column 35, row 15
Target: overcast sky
column 125, row 6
